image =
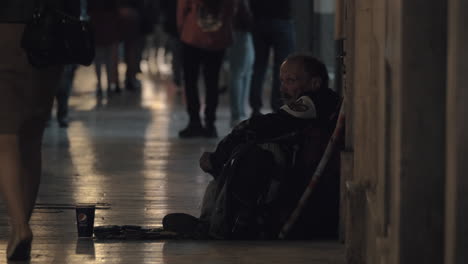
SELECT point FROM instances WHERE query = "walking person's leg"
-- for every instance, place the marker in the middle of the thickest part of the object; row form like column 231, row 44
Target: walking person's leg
column 212, row 61
column 283, row 39
column 262, row 49
column 112, row 66
column 191, row 67
column 246, row 77
column 235, row 56
column 11, row 188
column 240, row 63
column 99, row 59
column 177, row 61
column 63, row 94
column 25, row 104
column 132, row 62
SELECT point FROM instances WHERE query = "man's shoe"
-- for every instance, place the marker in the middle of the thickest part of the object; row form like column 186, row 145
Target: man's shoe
column 180, row 223
column 210, row 132
column 192, row 131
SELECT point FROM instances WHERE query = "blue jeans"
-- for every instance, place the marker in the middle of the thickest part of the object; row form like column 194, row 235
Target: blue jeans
column 278, row 34
column 241, row 58
column 64, row 90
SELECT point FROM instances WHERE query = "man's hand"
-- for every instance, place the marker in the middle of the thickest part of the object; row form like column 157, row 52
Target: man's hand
column 205, row 162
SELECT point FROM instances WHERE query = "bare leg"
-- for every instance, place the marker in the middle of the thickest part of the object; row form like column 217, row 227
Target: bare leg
column 31, row 92
column 131, row 59
column 30, row 142
column 113, row 69
column 11, row 187
column 97, row 68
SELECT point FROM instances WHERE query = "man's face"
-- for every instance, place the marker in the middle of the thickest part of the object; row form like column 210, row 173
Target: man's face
column 294, row 81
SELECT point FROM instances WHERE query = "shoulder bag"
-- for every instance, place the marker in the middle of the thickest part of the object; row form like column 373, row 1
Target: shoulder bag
column 53, row 37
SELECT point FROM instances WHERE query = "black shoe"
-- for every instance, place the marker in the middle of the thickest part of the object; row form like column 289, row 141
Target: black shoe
column 180, row 223
column 132, row 84
column 192, row 131
column 117, row 90
column 21, row 251
column 210, row 132
column 113, row 88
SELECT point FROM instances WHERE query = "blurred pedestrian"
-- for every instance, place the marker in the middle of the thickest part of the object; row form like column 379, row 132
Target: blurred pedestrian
column 25, row 103
column 174, row 45
column 241, row 58
column 205, row 27
column 130, row 36
column 104, row 17
column 273, row 29
column 63, row 94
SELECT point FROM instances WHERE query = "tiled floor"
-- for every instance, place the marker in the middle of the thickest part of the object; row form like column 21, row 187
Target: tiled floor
column 124, row 154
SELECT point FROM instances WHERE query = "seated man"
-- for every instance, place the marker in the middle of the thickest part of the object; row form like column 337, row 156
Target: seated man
column 245, row 165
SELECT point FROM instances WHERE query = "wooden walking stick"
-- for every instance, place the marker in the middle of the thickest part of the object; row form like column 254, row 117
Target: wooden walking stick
column 331, row 147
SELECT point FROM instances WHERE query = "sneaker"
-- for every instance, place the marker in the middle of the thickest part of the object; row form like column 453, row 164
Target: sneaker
column 117, row 90
column 192, row 131
column 210, row 132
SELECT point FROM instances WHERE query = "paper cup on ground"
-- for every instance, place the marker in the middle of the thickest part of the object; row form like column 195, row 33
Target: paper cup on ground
column 85, row 219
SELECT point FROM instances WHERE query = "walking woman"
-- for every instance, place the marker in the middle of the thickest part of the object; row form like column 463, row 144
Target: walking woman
column 26, row 95
column 205, row 28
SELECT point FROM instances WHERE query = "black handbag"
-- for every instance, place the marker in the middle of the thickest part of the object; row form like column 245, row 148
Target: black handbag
column 53, row 37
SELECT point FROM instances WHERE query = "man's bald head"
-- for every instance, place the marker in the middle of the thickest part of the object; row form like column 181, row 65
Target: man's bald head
column 311, row 65
column 301, row 73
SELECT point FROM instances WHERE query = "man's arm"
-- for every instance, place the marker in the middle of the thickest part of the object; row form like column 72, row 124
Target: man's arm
column 213, row 162
column 256, row 129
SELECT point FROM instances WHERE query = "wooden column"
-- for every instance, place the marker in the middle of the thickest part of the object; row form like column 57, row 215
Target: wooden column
column 456, row 238
column 420, row 167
